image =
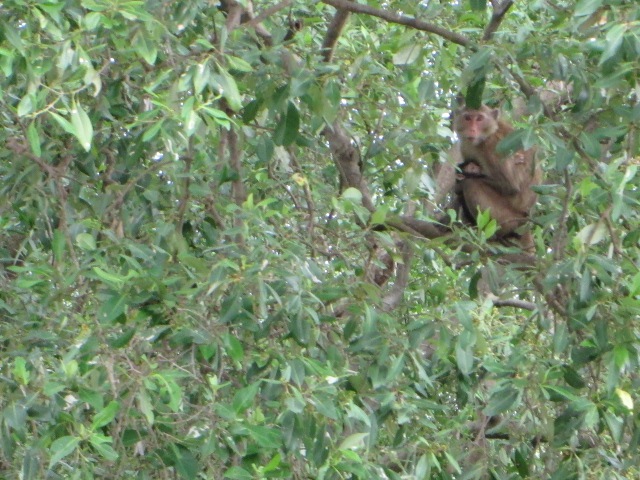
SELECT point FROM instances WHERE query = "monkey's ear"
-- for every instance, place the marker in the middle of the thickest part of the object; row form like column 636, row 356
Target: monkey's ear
column 495, row 113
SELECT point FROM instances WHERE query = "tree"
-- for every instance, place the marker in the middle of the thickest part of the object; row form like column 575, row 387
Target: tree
column 220, row 258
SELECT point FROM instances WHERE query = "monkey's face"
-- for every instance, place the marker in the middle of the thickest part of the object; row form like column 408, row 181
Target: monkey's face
column 475, row 126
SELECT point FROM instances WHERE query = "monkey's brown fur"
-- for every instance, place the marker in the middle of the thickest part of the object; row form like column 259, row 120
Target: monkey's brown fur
column 493, row 182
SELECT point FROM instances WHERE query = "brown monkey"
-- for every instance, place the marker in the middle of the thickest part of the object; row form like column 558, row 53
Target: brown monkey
column 490, row 181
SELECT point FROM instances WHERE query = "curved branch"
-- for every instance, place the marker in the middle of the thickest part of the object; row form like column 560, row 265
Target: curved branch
column 401, row 20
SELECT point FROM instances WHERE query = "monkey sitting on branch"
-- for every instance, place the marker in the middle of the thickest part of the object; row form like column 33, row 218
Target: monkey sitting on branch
column 490, row 181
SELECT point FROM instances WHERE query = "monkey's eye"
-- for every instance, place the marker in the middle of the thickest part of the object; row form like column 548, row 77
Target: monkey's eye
column 467, row 117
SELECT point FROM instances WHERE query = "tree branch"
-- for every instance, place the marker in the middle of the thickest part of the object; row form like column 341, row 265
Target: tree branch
column 336, row 26
column 347, row 159
column 268, row 12
column 401, row 20
column 394, row 296
column 499, row 11
column 515, row 303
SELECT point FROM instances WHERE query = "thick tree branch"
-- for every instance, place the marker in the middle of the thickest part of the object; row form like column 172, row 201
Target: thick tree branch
column 515, row 303
column 394, row 296
column 401, row 20
column 234, row 13
column 499, row 11
column 338, row 22
column 347, row 159
column 238, row 15
column 421, row 228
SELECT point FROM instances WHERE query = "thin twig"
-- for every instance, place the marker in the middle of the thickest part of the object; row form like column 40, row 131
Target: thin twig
column 561, row 235
column 311, row 207
column 186, row 195
column 266, row 13
column 401, row 20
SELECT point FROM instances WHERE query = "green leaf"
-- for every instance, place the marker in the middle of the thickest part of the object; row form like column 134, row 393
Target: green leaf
column 25, row 106
column 473, row 98
column 20, row 372
column 112, row 307
column 245, row 397
column 464, row 359
column 121, row 341
column 591, row 145
column 64, row 123
column 354, row 441
column 239, row 64
column 144, row 404
column 34, row 139
column 478, row 5
column 106, row 415
column 62, row 447
column 101, row 444
column 185, row 463
column 614, row 41
column 265, row 437
column 353, row 195
column 300, row 328
column 615, row 424
column 423, row 468
column 13, row 37
column 559, row 393
column 512, row 143
column 286, row 131
column 145, row 47
column 238, row 473
column 114, row 278
column 501, row 400
column 230, row 90
column 593, row 233
column 521, row 463
column 15, row 414
column 152, row 131
column 453, row 462
column 31, row 465
column 86, row 242
column 83, row 130
column 92, row 20
column 233, row 348
column 380, row 215
column 586, row 7
column 273, row 464
column 172, row 389
column 218, row 116
column 407, row 55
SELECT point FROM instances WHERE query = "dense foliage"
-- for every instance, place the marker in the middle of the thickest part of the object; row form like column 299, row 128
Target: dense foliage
column 191, row 286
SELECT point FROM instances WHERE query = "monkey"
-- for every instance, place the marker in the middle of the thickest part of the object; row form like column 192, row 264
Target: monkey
column 487, row 180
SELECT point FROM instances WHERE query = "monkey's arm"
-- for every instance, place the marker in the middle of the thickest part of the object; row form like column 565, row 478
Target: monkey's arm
column 509, row 176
